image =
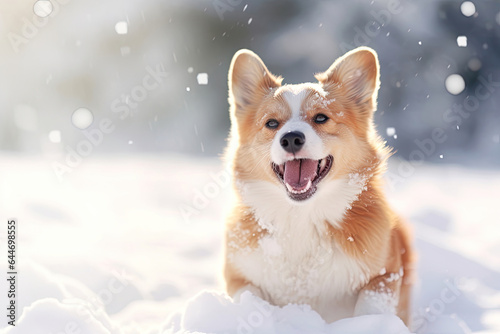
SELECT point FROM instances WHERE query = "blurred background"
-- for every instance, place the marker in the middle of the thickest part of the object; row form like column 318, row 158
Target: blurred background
column 113, row 115
column 96, row 54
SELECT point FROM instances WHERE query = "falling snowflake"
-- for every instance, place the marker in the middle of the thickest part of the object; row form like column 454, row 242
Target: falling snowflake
column 202, row 78
column 462, row 41
column 121, row 28
column 455, row 84
column 468, row 8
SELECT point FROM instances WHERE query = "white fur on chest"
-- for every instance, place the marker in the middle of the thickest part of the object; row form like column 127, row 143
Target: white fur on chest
column 297, row 262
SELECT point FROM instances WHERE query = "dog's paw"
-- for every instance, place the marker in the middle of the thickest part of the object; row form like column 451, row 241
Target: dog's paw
column 375, row 302
column 250, row 288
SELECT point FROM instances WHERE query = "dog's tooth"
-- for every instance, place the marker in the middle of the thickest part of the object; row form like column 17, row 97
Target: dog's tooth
column 293, row 191
column 322, row 165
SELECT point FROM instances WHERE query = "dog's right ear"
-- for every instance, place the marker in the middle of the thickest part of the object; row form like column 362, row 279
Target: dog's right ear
column 249, row 80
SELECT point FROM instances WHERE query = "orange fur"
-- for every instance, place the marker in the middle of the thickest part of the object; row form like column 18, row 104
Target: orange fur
column 369, row 232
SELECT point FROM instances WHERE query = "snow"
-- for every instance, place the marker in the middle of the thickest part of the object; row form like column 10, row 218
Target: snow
column 121, row 28
column 359, row 179
column 462, row 41
column 109, row 250
column 202, row 78
column 42, row 8
column 215, row 313
column 55, row 136
column 50, row 315
column 468, row 8
column 455, row 84
column 270, row 246
column 82, row 118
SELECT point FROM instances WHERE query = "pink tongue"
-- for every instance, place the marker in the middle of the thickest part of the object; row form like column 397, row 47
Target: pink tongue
column 299, row 172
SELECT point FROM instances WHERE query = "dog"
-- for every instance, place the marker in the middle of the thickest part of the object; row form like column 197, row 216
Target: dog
column 310, row 223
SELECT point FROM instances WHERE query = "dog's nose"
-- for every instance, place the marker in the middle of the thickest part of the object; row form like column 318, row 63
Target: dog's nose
column 293, row 141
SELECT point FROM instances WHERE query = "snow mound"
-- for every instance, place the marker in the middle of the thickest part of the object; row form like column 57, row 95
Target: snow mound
column 213, row 312
column 94, row 249
column 49, row 315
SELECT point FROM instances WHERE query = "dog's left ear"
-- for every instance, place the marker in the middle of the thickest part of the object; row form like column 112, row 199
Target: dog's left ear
column 357, row 74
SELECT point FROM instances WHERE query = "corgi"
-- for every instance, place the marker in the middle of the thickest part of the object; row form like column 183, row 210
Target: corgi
column 310, row 223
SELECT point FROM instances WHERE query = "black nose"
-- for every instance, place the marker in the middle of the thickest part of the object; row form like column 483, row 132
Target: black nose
column 293, row 141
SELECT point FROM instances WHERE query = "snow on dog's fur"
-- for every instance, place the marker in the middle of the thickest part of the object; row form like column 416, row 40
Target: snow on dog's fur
column 310, row 222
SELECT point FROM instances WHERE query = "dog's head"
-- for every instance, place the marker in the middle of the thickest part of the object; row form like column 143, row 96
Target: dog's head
column 303, row 136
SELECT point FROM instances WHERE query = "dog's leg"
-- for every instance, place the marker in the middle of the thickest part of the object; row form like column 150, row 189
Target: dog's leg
column 236, row 285
column 380, row 295
column 253, row 289
column 390, row 292
column 234, row 281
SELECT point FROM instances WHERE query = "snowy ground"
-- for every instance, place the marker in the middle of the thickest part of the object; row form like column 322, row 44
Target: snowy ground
column 130, row 245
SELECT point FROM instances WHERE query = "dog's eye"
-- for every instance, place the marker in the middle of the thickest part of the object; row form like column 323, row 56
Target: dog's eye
column 272, row 124
column 320, row 118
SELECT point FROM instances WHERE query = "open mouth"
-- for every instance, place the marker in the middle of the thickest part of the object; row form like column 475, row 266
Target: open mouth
column 301, row 176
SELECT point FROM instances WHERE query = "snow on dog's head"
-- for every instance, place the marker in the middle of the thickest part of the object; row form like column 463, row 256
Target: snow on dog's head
column 301, row 138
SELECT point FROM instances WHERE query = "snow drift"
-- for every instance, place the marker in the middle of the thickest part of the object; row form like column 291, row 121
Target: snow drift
column 110, row 251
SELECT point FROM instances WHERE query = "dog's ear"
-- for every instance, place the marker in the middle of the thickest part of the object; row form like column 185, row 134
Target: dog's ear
column 249, row 80
column 356, row 74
